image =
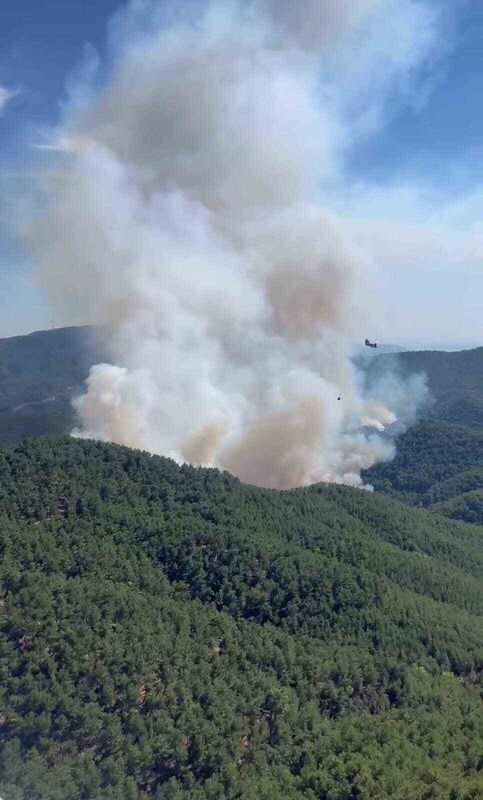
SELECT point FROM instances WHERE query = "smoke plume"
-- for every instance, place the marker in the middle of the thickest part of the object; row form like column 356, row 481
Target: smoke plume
column 188, row 215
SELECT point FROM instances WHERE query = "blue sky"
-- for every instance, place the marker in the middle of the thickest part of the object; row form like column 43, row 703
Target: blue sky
column 421, row 170
column 443, row 139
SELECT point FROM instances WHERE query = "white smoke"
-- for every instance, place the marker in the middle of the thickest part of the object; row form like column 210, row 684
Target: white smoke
column 189, row 218
column 407, row 396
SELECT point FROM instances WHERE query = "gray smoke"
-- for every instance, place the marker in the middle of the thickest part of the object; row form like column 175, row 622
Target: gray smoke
column 188, row 216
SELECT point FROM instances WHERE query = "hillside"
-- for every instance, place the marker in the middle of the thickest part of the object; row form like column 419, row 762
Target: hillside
column 39, row 375
column 439, row 462
column 438, row 467
column 455, row 381
column 171, row 633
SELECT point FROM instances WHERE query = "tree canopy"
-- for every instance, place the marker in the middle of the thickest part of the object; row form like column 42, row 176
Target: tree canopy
column 168, row 632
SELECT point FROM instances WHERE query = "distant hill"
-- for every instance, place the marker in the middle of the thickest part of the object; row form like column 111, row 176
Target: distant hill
column 455, row 381
column 169, row 633
column 438, row 467
column 369, row 353
column 39, row 375
column 439, row 462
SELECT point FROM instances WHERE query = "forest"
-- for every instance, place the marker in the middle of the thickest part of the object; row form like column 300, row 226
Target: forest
column 168, row 632
column 437, row 466
column 439, row 461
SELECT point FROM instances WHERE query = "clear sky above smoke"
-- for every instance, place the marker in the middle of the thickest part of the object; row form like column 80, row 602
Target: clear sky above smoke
column 408, row 172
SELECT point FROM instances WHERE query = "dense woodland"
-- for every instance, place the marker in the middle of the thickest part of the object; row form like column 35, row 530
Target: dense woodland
column 168, row 632
column 40, row 374
column 439, row 461
column 438, row 467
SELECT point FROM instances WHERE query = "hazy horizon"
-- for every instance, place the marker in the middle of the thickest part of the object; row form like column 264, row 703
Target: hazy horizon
column 410, row 344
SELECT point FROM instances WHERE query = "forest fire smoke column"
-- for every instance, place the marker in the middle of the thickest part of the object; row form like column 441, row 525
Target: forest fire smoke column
column 188, row 216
